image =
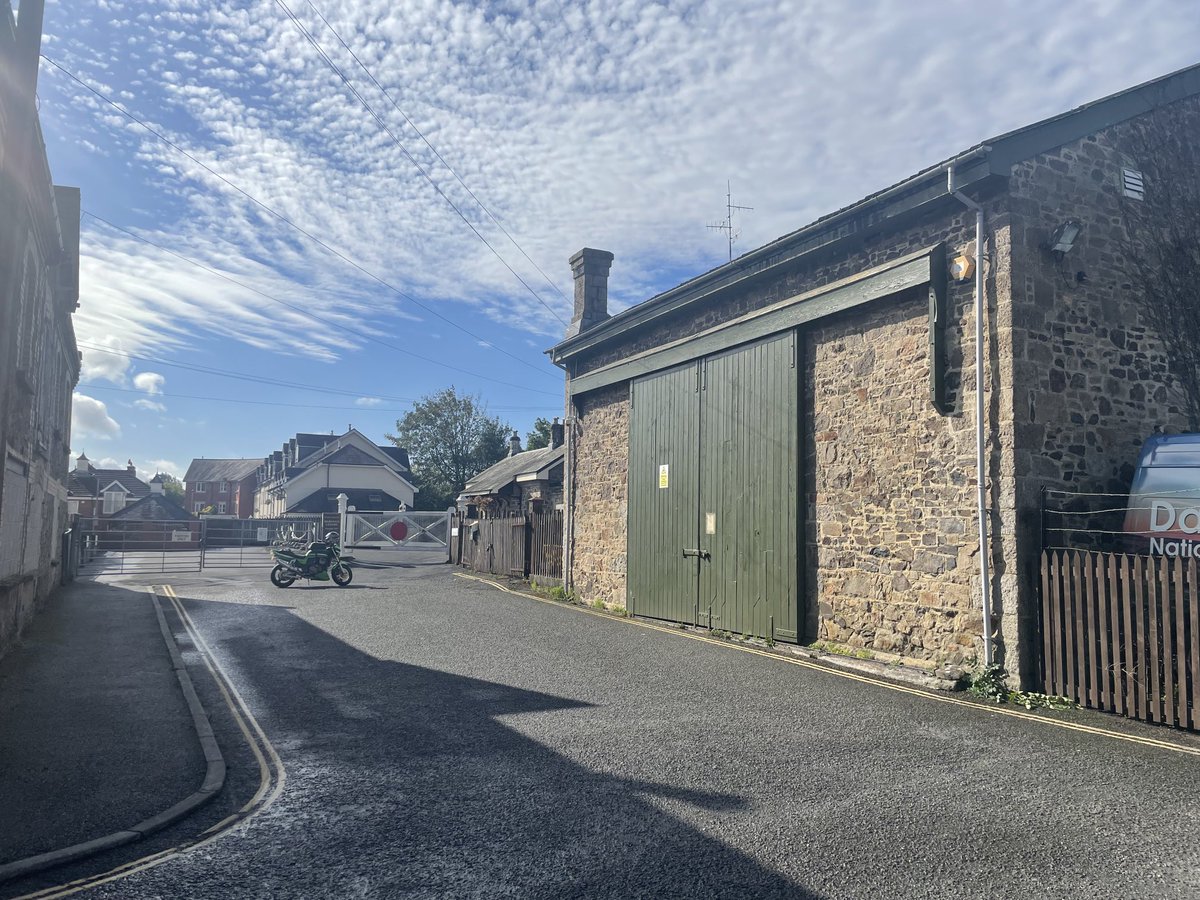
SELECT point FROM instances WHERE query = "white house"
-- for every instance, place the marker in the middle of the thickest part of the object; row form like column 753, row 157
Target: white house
column 311, row 470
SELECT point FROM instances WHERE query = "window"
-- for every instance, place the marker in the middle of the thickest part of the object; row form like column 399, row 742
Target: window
column 113, row 501
column 196, row 507
column 221, row 508
column 201, row 487
column 224, row 487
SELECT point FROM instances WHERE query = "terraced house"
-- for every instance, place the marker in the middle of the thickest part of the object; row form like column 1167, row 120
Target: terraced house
column 814, row 441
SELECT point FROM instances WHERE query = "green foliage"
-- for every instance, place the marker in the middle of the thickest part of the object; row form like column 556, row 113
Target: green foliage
column 450, row 439
column 598, row 604
column 540, row 436
column 840, row 650
column 172, row 487
column 991, row 683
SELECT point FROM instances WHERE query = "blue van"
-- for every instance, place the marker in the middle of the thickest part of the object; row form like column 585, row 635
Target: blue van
column 1164, row 500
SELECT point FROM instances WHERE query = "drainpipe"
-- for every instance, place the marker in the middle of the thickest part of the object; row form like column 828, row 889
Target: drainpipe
column 985, row 577
column 569, row 425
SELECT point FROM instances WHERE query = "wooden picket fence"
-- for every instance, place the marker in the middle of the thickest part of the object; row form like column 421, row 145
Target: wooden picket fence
column 516, row 546
column 1121, row 633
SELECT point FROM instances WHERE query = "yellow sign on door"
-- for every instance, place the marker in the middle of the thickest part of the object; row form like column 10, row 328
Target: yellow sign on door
column 663, row 476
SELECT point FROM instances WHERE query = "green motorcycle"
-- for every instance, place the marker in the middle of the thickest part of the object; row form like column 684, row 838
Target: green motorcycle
column 320, row 561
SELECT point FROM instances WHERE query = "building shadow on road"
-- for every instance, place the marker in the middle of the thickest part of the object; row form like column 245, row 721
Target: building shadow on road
column 406, row 780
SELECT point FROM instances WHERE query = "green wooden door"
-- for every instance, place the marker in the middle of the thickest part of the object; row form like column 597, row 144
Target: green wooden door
column 664, row 428
column 749, row 445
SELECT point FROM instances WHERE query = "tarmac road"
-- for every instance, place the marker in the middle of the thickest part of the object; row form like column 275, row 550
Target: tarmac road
column 442, row 738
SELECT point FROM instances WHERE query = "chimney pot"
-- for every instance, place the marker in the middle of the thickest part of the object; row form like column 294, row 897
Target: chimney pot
column 590, row 269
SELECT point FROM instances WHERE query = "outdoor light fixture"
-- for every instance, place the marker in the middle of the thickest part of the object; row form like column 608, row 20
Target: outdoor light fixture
column 1062, row 239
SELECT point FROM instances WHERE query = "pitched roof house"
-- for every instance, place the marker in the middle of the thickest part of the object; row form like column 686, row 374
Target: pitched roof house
column 524, row 481
column 96, row 493
column 308, row 472
column 225, row 485
column 826, row 439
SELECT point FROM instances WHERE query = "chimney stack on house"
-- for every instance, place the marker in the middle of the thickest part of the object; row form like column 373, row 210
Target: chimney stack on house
column 130, row 467
column 590, row 268
column 514, row 444
column 556, row 433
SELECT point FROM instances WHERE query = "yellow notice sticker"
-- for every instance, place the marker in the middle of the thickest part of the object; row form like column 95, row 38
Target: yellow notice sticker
column 663, row 476
column 710, row 523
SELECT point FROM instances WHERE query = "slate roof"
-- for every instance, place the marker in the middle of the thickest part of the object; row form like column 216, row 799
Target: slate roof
column 508, row 470
column 153, row 507
column 93, row 483
column 221, row 469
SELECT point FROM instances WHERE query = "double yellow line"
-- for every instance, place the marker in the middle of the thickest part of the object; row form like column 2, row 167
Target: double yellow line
column 863, row 679
column 272, row 775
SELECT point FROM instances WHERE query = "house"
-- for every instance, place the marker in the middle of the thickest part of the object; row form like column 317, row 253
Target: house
column 528, row 481
column 225, row 485
column 99, row 493
column 39, row 361
column 795, row 445
column 309, row 471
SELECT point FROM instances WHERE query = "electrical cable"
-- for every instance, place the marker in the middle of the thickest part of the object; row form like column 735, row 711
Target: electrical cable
column 309, row 313
column 282, row 218
column 434, row 150
column 387, row 130
column 92, row 386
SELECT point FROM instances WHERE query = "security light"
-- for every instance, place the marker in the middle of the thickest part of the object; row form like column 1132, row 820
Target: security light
column 1062, row 239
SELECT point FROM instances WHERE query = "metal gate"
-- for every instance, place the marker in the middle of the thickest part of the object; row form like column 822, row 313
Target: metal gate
column 402, row 532
column 246, row 543
column 714, row 500
column 130, row 546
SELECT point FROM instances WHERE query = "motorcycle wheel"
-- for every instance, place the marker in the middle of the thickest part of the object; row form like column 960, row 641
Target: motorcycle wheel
column 280, row 578
column 342, row 575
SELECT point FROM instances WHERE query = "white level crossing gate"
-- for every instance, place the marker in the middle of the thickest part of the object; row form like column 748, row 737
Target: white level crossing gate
column 403, row 532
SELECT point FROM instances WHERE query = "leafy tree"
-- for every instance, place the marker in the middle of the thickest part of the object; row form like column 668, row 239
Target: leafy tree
column 450, row 439
column 540, row 436
column 1162, row 248
column 172, row 487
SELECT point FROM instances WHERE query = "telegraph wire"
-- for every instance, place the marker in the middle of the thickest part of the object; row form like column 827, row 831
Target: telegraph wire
column 241, row 376
column 299, row 309
column 434, row 150
column 382, row 124
column 92, row 386
column 281, row 217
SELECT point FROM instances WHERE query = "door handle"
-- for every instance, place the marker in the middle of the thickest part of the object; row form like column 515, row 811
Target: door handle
column 703, row 554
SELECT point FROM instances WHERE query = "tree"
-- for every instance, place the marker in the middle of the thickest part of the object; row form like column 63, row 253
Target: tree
column 1162, row 246
column 172, row 487
column 450, row 439
column 540, row 436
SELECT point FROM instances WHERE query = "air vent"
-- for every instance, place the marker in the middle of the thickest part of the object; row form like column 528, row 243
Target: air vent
column 1132, row 185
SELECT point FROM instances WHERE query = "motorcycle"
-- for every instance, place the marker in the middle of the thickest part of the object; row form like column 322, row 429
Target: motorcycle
column 320, row 561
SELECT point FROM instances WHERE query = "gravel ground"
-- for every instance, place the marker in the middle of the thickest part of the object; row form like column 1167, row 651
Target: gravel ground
column 442, row 738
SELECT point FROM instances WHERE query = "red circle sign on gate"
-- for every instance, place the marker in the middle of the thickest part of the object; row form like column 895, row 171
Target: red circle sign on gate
column 399, row 531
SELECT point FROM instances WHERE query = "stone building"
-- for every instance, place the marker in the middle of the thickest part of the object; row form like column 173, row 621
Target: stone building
column 39, row 363
column 524, row 482
column 790, row 445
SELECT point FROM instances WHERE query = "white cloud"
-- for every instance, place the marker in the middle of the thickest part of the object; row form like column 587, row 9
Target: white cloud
column 150, row 382
column 90, row 418
column 368, row 401
column 150, row 405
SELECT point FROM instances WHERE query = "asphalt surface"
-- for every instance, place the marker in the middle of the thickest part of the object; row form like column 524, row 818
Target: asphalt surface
column 445, row 739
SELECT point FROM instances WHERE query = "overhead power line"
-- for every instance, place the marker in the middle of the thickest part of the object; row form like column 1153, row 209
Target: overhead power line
column 92, row 386
column 310, row 314
column 245, row 376
column 434, row 150
column 282, row 218
column 388, row 131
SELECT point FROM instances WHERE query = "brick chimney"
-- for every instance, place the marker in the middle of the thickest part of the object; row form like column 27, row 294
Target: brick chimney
column 514, row 444
column 556, row 433
column 590, row 268
column 130, row 467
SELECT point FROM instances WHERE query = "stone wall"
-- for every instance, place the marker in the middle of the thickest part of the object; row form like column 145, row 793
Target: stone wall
column 600, row 449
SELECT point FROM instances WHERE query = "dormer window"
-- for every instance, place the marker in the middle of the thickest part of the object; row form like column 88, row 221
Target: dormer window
column 114, row 498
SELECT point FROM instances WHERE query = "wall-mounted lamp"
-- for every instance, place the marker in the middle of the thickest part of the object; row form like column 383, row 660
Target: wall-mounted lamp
column 1062, row 239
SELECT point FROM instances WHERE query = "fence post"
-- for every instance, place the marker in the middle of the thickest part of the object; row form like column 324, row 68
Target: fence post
column 451, row 512
column 343, row 502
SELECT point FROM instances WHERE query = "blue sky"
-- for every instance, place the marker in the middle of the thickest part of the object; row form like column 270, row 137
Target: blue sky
column 606, row 124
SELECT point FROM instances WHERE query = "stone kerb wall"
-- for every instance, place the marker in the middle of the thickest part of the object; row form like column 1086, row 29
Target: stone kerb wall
column 601, row 450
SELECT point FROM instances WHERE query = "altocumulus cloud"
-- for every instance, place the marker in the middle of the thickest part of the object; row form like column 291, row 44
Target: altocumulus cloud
column 90, row 418
column 150, row 382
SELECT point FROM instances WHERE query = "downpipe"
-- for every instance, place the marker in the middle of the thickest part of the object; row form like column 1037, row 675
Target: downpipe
column 985, row 575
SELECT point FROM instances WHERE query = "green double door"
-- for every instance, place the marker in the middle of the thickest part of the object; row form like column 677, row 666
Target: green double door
column 714, row 492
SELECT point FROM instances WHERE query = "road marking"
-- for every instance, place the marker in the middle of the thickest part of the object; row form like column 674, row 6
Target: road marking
column 851, row 676
column 270, row 769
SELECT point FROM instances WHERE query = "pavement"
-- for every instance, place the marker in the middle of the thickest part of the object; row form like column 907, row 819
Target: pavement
column 98, row 738
column 437, row 737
